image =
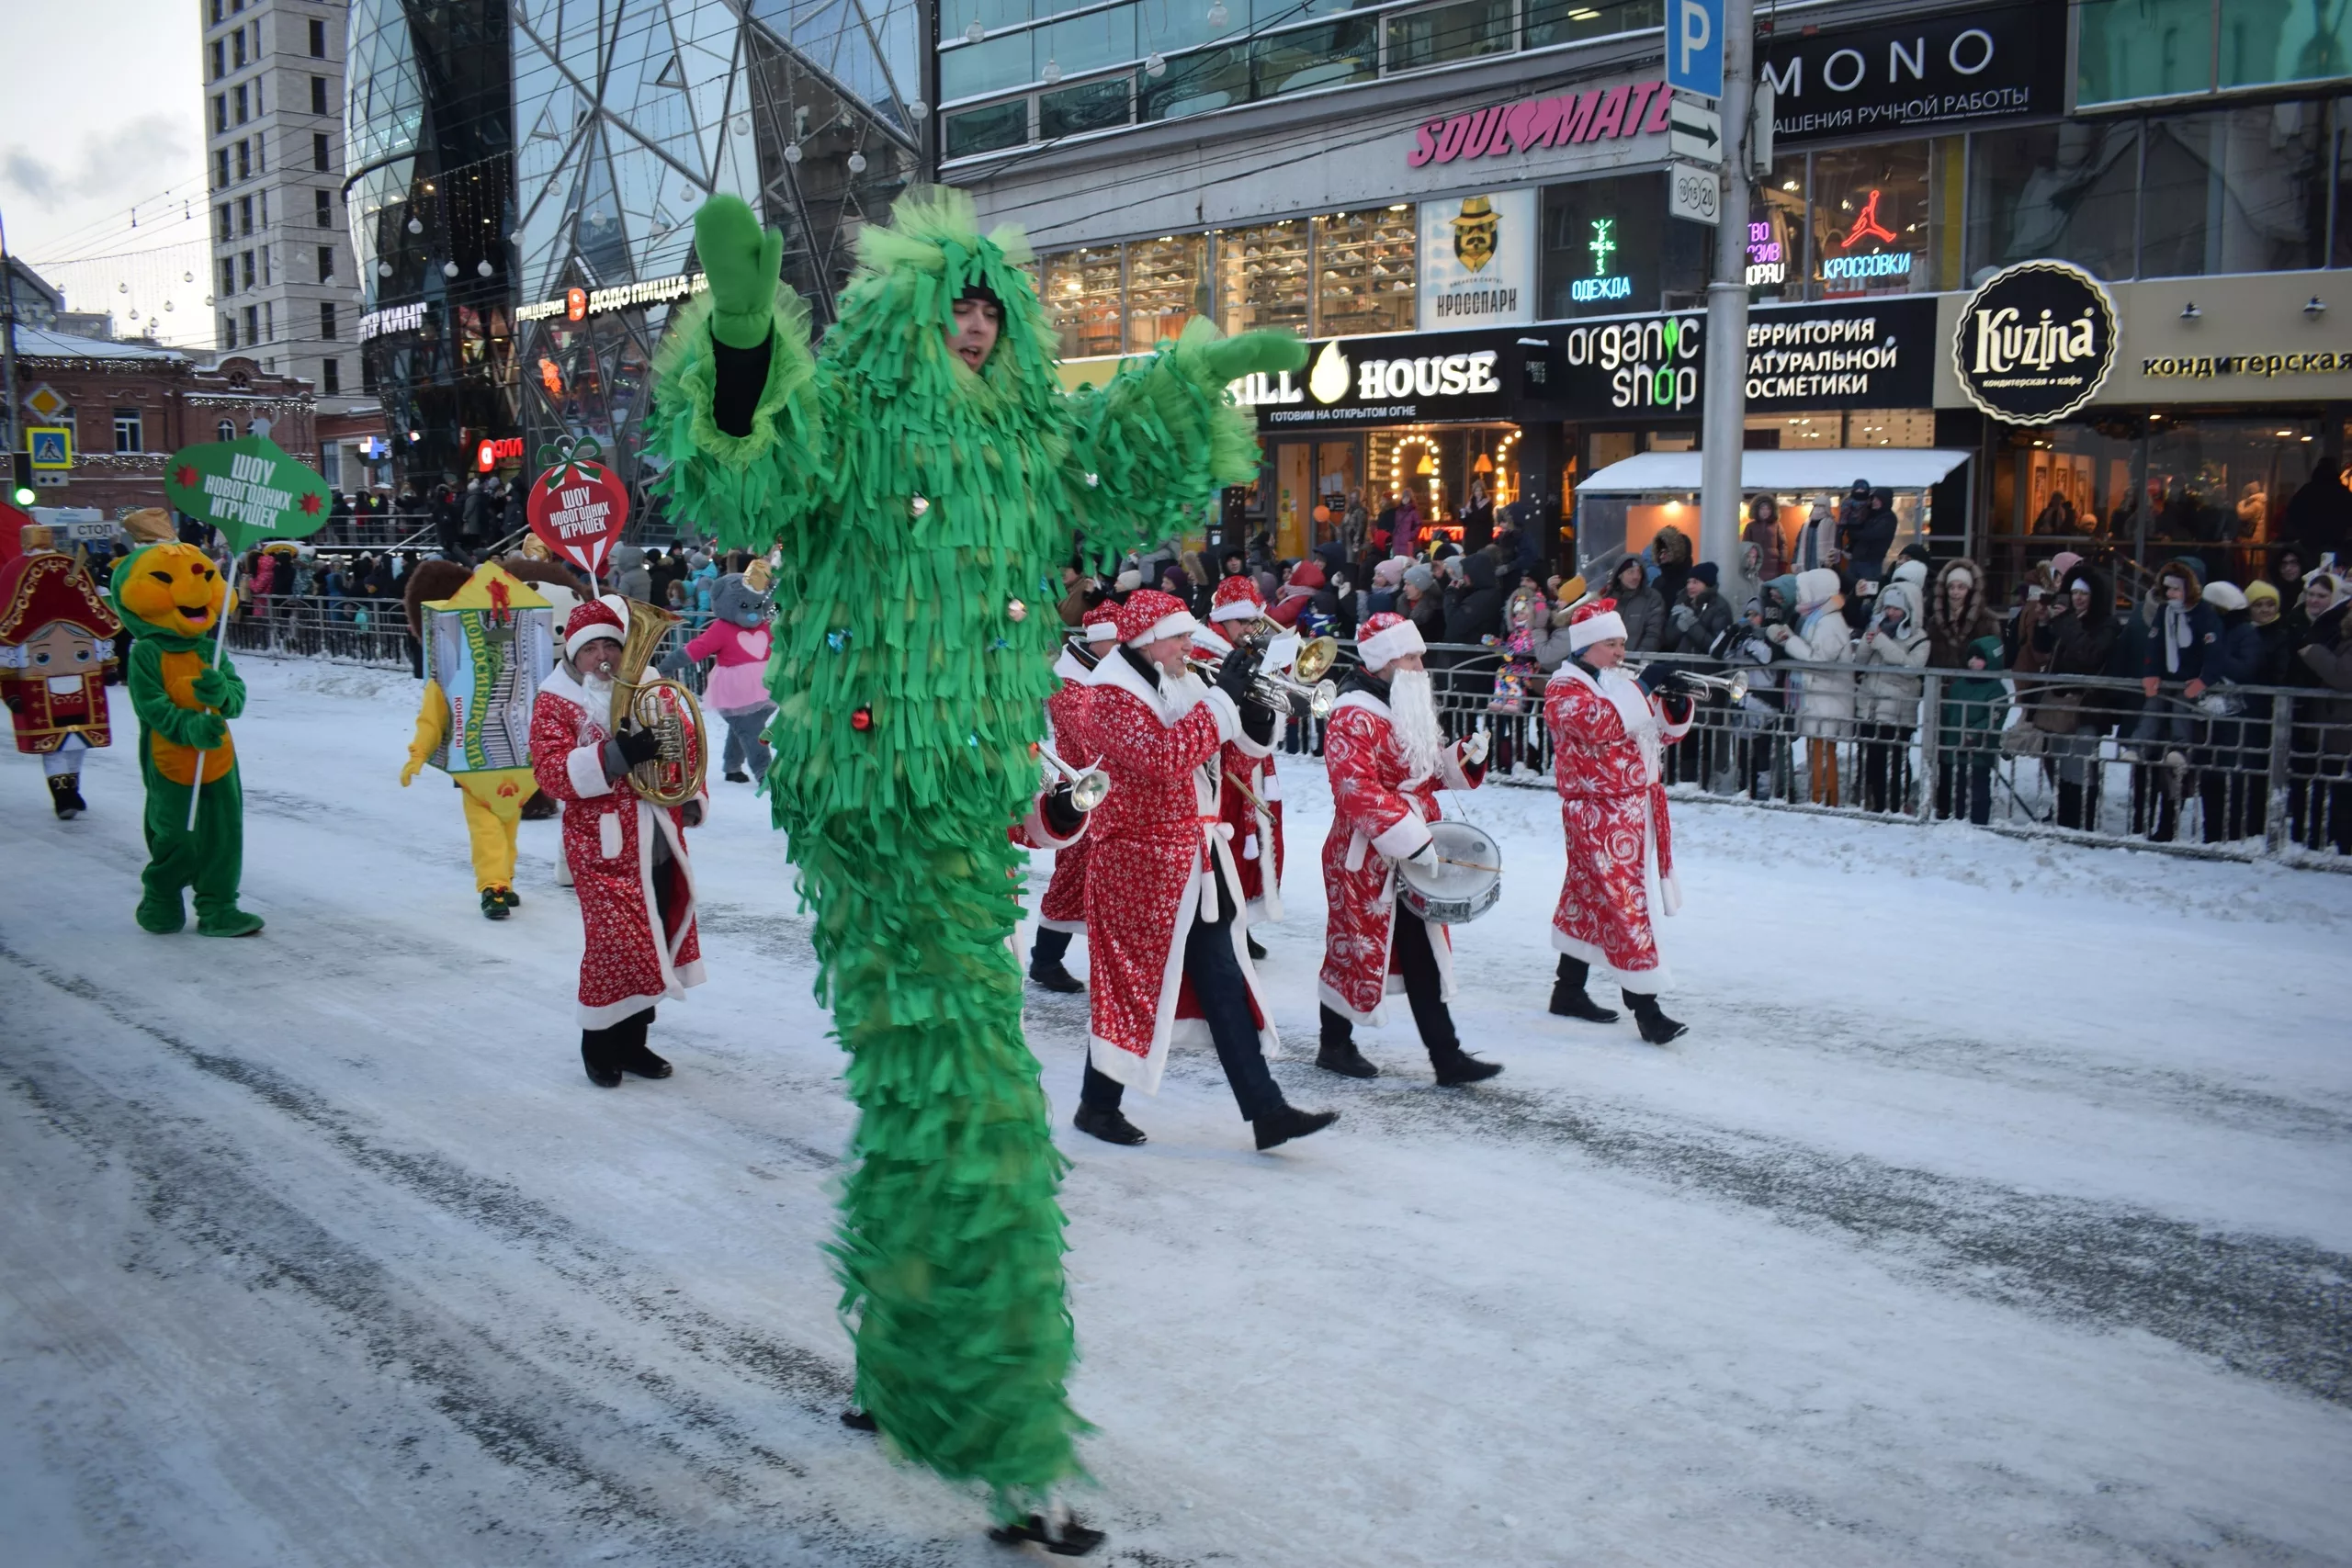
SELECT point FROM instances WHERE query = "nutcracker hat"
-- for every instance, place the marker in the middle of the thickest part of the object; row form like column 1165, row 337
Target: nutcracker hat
column 606, row 618
column 1149, row 614
column 1101, row 622
column 36, row 590
column 1386, row 638
column 1596, row 621
column 1237, row 599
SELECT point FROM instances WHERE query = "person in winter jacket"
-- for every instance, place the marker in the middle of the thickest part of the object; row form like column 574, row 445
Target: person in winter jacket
column 2263, row 608
column 1698, row 621
column 2079, row 639
column 1672, row 552
column 1526, row 620
column 1963, row 635
column 2229, row 777
column 1474, row 611
column 631, row 578
column 1824, row 699
column 1387, row 585
column 1816, row 543
column 2181, row 630
column 1763, row 534
column 1423, row 604
column 2327, row 805
column 1639, row 605
column 1865, row 539
column 1298, row 594
column 1886, row 693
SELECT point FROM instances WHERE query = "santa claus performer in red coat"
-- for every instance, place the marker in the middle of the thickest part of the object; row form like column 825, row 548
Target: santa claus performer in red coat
column 1250, row 793
column 1061, row 914
column 1389, row 759
column 1608, row 740
column 627, row 856
column 1166, row 926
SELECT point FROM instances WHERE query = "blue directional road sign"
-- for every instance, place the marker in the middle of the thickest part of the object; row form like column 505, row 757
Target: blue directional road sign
column 1694, row 47
column 51, row 445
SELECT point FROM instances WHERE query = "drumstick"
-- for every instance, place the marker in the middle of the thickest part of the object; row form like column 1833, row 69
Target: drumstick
column 1234, row 780
column 1473, row 865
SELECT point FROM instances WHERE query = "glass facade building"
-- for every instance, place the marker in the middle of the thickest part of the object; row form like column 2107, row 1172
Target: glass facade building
column 430, row 198
column 631, row 112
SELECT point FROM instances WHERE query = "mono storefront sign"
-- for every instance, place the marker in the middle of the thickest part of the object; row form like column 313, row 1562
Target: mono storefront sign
column 1380, row 380
column 1479, row 261
column 578, row 304
column 2207, row 366
column 1597, row 114
column 1811, row 356
column 392, row 318
column 2035, row 342
column 1991, row 63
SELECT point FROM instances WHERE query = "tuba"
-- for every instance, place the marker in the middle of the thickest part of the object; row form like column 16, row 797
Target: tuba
column 666, row 708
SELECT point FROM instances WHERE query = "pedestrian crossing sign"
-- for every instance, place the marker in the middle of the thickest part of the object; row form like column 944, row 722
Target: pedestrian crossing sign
column 51, row 445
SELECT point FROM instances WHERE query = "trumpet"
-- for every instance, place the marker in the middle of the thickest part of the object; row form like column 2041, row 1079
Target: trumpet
column 1087, row 786
column 1303, row 690
column 1731, row 688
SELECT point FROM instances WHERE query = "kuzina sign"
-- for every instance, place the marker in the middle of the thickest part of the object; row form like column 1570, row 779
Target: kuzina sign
column 1627, row 109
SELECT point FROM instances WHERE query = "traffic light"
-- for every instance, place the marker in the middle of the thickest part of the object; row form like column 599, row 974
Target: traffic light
column 20, row 487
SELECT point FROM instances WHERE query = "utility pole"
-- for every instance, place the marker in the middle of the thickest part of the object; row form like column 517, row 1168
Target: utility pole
column 9, row 332
column 1723, row 425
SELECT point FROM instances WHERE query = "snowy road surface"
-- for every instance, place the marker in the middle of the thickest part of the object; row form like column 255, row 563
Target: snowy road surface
column 1994, row 1212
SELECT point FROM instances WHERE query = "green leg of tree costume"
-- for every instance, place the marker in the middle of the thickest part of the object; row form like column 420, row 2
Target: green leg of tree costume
column 211, row 860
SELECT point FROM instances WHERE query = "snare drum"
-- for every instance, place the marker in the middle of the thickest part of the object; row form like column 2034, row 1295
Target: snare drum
column 1458, row 881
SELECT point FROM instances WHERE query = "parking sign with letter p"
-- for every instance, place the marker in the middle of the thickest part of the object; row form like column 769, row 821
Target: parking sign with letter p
column 1694, row 47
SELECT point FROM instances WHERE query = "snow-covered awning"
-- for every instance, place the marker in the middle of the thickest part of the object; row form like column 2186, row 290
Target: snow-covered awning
column 1836, row 469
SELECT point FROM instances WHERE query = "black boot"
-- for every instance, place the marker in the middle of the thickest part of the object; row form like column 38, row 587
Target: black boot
column 596, row 1055
column 1568, row 997
column 1104, row 1121
column 1046, row 965
column 1342, row 1057
column 1280, row 1127
column 63, row 797
column 1657, row 1028
column 1063, row 1538
column 637, row 1058
column 857, row 1420
column 1455, row 1066
column 1257, row 950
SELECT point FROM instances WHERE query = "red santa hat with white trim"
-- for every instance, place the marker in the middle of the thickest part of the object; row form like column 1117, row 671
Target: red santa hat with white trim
column 606, row 616
column 1149, row 614
column 1596, row 622
column 1237, row 599
column 1386, row 638
column 1101, row 622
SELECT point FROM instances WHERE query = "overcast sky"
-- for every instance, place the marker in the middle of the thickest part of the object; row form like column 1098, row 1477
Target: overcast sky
column 104, row 109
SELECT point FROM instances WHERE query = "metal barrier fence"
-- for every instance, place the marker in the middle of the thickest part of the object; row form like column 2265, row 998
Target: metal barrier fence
column 2243, row 772
column 369, row 631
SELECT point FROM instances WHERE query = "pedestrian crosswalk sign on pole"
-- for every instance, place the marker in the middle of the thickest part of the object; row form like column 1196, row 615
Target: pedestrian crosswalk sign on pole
column 1694, row 132
column 1694, row 47
column 50, row 444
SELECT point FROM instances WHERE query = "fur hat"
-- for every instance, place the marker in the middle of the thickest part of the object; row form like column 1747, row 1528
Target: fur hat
column 1596, row 621
column 1237, row 599
column 1149, row 614
column 1386, row 638
column 601, row 617
column 1101, row 622
column 2225, row 596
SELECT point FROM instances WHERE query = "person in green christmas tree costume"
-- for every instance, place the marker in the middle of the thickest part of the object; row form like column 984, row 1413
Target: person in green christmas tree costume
column 923, row 472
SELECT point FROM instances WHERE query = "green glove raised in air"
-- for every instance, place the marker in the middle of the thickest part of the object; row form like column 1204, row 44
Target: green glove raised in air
column 1229, row 357
column 742, row 262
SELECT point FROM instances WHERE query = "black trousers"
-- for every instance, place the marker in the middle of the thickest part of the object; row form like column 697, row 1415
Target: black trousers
column 1224, row 995
column 616, row 1040
column 1050, row 947
column 1418, row 963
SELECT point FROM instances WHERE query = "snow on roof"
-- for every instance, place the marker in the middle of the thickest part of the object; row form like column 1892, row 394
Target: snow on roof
column 39, row 343
column 1888, row 468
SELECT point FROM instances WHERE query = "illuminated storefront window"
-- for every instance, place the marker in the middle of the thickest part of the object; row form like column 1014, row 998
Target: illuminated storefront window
column 1880, row 219
column 1168, row 281
column 1364, row 264
column 1081, row 300
column 1609, row 249
column 1262, row 277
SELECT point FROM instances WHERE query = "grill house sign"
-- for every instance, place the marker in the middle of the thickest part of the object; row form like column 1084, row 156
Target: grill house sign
column 2035, row 343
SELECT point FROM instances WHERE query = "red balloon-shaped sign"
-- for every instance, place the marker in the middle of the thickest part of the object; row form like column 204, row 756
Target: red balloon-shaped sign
column 577, row 509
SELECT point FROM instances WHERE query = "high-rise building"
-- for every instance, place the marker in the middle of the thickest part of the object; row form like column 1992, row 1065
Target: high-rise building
column 284, row 286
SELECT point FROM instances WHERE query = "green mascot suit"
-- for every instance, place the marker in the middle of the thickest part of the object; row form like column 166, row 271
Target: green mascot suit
column 923, row 486
column 171, row 596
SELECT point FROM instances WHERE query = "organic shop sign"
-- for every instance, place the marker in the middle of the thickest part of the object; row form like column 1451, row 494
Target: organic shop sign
column 1641, row 362
column 250, row 488
column 1600, row 114
column 578, row 304
column 2198, row 367
column 1989, row 63
column 2035, row 343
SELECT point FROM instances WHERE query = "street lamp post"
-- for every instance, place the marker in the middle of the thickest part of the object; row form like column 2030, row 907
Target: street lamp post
column 1724, row 425
column 8, row 335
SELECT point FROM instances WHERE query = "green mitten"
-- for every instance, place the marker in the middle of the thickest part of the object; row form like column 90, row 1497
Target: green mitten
column 1239, row 354
column 212, row 688
column 742, row 262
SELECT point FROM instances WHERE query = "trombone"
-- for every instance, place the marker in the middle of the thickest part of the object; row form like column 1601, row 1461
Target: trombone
column 1304, row 690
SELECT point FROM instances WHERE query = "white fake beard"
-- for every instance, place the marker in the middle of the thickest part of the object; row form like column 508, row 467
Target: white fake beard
column 597, row 686
column 1412, row 707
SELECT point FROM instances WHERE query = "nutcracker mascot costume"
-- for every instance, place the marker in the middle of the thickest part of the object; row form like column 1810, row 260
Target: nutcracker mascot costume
column 628, row 855
column 1387, row 760
column 170, row 597
column 1061, row 914
column 488, row 645
column 922, row 472
column 1608, row 738
column 56, row 649
column 1166, row 923
column 1249, row 795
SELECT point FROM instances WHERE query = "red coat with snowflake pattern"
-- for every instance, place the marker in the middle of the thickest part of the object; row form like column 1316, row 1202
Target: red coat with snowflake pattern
column 1159, row 850
column 1606, row 740
column 1246, row 769
column 1063, row 908
column 608, row 837
column 1378, row 816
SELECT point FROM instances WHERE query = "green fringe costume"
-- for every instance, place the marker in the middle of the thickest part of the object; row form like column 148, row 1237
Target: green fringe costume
column 918, row 505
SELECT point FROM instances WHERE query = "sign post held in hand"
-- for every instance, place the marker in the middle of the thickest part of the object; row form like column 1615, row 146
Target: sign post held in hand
column 250, row 488
column 578, row 506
